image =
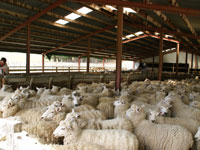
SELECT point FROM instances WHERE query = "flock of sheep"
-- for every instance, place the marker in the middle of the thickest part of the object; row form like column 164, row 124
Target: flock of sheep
column 149, row 115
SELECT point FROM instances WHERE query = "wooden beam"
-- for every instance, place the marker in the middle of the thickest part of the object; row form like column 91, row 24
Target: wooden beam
column 119, row 49
column 187, row 11
column 177, row 57
column 166, row 39
column 54, row 5
column 160, row 57
column 28, row 49
column 80, row 38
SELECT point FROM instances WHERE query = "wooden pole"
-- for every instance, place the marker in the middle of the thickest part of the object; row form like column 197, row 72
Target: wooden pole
column 119, row 48
column 160, row 58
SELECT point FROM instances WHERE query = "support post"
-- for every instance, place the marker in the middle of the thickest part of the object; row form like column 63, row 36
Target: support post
column 79, row 63
column 192, row 63
column 153, row 63
column 196, row 64
column 133, row 65
column 43, row 62
column 119, row 48
column 103, row 63
column 160, row 58
column 186, row 61
column 88, row 56
column 177, row 57
column 28, row 49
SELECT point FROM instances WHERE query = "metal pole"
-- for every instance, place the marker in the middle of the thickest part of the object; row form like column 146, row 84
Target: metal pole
column 119, row 48
column 88, row 55
column 153, row 63
column 160, row 58
column 103, row 62
column 192, row 63
column 79, row 63
column 177, row 57
column 186, row 61
column 28, row 49
column 43, row 62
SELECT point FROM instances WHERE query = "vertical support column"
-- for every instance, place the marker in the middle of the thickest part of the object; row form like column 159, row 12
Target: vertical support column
column 88, row 55
column 119, row 48
column 160, row 58
column 177, row 57
column 43, row 62
column 196, row 64
column 133, row 65
column 192, row 63
column 153, row 63
column 28, row 49
column 186, row 61
column 103, row 63
column 79, row 63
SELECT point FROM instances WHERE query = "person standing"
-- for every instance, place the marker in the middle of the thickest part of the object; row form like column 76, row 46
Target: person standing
column 3, row 66
column 4, row 69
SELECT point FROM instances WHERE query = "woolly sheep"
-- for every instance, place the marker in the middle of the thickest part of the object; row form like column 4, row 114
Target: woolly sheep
column 107, row 108
column 197, row 140
column 155, row 136
column 109, row 139
column 189, row 123
column 55, row 89
column 120, row 108
column 106, row 99
column 43, row 130
column 117, row 123
column 179, row 109
column 77, row 146
column 7, row 88
column 195, row 104
column 89, row 114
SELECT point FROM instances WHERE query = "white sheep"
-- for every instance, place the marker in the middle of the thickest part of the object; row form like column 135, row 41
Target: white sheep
column 43, row 130
column 120, row 108
column 109, row 139
column 117, row 123
column 197, row 140
column 55, row 89
column 106, row 99
column 159, row 136
column 89, row 114
column 76, row 146
column 107, row 108
column 189, row 123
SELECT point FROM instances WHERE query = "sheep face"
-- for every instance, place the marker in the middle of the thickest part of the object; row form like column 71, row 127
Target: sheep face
column 164, row 110
column 119, row 102
column 60, row 130
column 197, row 135
column 40, row 90
column 153, row 114
column 51, row 112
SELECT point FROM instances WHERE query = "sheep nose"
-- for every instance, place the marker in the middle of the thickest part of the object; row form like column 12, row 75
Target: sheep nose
column 153, row 121
column 195, row 138
column 42, row 117
column 76, row 105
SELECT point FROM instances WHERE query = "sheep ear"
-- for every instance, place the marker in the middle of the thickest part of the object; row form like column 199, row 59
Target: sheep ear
column 73, row 111
column 158, row 113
